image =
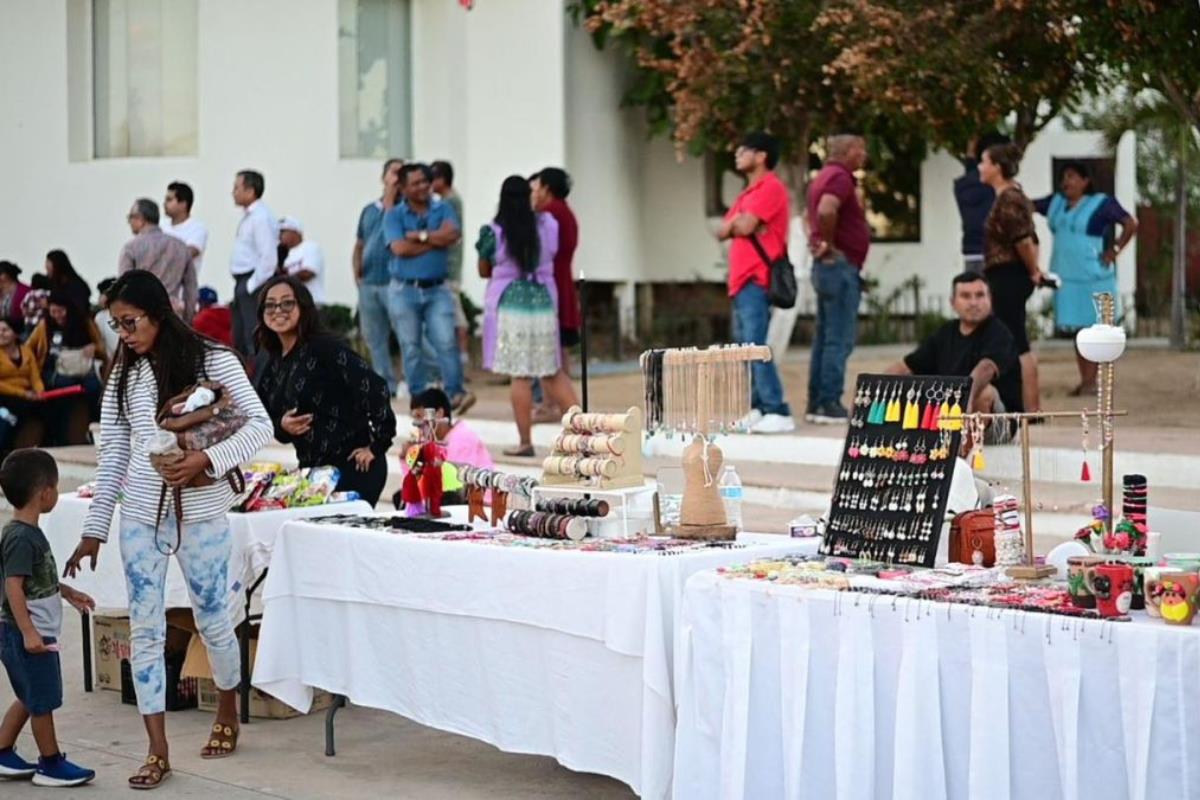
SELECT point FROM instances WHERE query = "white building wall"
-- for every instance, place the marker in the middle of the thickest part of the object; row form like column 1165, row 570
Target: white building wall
column 508, row 87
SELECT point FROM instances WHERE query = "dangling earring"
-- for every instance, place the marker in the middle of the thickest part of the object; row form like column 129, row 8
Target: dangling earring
column 1085, row 474
column 953, row 418
column 893, row 406
column 912, row 412
column 977, row 463
column 941, row 419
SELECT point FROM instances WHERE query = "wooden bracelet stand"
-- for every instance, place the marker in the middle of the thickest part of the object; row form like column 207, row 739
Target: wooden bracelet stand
column 618, row 471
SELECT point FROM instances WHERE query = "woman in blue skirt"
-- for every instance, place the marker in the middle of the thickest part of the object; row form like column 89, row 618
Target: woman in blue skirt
column 1084, row 255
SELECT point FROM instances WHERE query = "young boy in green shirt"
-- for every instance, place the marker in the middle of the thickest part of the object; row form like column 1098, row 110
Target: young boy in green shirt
column 31, row 620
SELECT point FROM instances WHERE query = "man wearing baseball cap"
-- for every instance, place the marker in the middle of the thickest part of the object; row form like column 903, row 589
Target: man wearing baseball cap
column 304, row 259
column 213, row 320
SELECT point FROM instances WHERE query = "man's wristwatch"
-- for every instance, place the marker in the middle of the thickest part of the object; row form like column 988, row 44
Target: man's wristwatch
column 424, row 237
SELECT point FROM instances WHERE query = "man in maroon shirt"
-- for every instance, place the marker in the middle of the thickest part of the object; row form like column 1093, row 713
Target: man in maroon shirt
column 839, row 239
column 550, row 189
column 760, row 212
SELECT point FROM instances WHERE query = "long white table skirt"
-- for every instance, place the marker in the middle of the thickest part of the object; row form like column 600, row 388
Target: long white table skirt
column 792, row 693
column 253, row 540
column 564, row 654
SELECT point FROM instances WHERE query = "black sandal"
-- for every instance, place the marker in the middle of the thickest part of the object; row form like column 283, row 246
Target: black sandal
column 520, row 452
column 151, row 774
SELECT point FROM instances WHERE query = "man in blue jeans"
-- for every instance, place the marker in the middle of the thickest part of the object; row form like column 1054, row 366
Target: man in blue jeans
column 419, row 232
column 371, row 259
column 761, row 212
column 839, row 240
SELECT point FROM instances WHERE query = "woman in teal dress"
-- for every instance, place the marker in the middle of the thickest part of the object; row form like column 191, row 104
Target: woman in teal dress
column 1084, row 255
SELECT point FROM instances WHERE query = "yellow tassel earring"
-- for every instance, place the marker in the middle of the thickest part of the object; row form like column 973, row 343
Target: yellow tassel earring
column 912, row 412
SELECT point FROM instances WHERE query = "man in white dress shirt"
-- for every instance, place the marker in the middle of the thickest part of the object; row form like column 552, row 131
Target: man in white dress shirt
column 255, row 256
column 304, row 260
column 181, row 224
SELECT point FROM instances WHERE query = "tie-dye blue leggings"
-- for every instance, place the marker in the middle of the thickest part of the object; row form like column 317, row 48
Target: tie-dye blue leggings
column 203, row 555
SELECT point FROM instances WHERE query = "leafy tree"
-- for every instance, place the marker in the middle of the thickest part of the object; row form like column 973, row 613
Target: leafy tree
column 709, row 70
column 959, row 67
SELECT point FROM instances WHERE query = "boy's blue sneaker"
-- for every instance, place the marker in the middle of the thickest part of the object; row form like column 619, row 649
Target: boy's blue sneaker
column 13, row 766
column 57, row 771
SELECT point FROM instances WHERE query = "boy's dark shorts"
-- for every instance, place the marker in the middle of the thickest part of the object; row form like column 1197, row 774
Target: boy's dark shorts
column 36, row 679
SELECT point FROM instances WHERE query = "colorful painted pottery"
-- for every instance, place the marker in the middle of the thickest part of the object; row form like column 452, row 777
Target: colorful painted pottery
column 1173, row 592
column 1149, row 574
column 1140, row 564
column 1077, row 585
column 1112, row 585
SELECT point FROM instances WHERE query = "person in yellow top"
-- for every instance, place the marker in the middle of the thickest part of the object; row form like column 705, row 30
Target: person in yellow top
column 20, row 382
column 69, row 350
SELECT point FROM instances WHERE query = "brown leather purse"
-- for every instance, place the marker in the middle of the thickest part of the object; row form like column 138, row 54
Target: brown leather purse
column 973, row 531
column 197, row 430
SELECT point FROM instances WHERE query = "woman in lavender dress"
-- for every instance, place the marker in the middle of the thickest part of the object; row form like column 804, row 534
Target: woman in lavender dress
column 520, row 309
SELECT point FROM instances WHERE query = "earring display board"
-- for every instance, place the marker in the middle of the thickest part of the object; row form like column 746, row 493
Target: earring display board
column 889, row 500
column 602, row 451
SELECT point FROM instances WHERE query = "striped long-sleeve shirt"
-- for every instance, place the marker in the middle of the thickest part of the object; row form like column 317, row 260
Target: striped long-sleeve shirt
column 125, row 464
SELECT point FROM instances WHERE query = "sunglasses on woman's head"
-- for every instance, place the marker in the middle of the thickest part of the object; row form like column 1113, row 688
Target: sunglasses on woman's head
column 128, row 323
column 283, row 307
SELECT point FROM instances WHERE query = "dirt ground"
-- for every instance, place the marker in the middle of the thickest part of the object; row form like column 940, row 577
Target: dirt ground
column 1158, row 387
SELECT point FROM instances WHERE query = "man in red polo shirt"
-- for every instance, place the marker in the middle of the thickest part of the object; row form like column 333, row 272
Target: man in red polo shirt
column 839, row 240
column 761, row 211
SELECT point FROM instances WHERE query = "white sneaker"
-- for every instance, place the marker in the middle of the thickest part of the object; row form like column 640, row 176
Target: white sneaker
column 774, row 423
column 747, row 423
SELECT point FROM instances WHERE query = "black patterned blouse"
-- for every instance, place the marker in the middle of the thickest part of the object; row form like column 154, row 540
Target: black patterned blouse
column 350, row 403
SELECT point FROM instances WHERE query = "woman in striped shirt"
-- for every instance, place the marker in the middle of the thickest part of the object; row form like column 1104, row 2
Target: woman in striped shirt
column 160, row 356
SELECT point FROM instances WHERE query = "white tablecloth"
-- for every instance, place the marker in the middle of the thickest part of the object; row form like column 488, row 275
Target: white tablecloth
column 253, row 539
column 792, row 693
column 567, row 654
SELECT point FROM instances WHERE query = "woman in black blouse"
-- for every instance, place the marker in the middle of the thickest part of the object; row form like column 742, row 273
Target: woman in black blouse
column 321, row 395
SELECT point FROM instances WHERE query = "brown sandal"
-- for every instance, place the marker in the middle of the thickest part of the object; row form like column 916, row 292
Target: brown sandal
column 520, row 451
column 223, row 742
column 151, row 774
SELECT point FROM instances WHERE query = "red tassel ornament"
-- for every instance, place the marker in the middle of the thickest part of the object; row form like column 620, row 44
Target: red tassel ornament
column 1086, row 474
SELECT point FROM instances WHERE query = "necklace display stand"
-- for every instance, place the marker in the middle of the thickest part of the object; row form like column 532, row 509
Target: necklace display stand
column 699, row 393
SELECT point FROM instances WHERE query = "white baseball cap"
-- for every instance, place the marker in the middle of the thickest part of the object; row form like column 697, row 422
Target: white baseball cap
column 291, row 224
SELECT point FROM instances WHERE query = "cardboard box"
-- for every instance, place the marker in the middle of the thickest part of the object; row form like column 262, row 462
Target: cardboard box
column 110, row 641
column 262, row 705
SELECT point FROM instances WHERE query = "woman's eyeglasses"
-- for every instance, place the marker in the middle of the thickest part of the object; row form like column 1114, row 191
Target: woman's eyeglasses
column 282, row 307
column 128, row 323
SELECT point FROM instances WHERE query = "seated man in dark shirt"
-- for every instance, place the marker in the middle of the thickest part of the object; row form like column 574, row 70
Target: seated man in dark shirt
column 975, row 344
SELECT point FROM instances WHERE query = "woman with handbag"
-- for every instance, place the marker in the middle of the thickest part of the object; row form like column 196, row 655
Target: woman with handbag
column 520, row 308
column 321, row 395
column 69, row 350
column 161, row 357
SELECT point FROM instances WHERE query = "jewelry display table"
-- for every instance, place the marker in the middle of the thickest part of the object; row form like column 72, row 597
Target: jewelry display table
column 792, row 692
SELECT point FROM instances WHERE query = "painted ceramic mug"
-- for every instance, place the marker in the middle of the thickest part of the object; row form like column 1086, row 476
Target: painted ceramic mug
column 1173, row 592
column 1077, row 587
column 1112, row 585
column 1149, row 574
column 1140, row 564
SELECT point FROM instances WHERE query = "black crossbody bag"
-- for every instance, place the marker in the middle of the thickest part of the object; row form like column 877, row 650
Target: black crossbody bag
column 781, row 289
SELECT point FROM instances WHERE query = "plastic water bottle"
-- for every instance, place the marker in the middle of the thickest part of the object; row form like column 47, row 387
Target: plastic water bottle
column 731, row 495
column 8, row 416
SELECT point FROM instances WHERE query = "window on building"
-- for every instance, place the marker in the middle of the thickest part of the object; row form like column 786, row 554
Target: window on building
column 143, row 78
column 374, row 78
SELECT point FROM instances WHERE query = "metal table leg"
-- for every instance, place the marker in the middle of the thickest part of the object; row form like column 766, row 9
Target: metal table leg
column 244, row 646
column 339, row 700
column 86, row 619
